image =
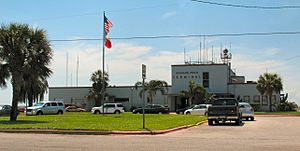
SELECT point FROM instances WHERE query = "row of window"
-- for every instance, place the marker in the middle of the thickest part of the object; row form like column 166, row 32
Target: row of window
column 54, row 104
column 205, row 76
column 205, row 82
column 257, row 99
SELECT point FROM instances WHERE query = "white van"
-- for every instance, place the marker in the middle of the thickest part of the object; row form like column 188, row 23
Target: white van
column 47, row 107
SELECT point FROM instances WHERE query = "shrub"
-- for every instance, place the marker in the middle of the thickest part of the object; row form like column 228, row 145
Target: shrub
column 287, row 106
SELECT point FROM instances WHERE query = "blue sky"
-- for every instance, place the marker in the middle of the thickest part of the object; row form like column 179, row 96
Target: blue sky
column 252, row 55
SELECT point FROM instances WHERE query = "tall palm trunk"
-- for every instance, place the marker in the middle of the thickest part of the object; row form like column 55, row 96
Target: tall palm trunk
column 16, row 83
column 270, row 103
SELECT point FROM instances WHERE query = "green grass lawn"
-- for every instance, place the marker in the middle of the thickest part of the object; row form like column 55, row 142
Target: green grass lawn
column 108, row 122
column 278, row 113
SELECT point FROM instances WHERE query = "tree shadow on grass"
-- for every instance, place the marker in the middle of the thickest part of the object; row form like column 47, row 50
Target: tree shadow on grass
column 21, row 122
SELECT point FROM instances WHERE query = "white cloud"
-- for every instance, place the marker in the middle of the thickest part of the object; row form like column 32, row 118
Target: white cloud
column 169, row 14
column 252, row 67
column 270, row 52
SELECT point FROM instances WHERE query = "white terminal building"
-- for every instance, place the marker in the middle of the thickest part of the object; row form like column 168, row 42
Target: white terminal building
column 216, row 78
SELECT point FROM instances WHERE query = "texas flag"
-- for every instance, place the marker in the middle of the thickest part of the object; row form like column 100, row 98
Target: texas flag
column 107, row 25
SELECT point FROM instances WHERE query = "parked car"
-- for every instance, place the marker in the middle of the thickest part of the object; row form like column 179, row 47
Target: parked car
column 74, row 109
column 110, row 108
column 21, row 108
column 200, row 109
column 47, row 107
column 152, row 109
column 247, row 111
column 181, row 111
column 70, row 104
column 5, row 110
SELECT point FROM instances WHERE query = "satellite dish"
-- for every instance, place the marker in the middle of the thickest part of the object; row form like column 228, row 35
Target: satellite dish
column 225, row 51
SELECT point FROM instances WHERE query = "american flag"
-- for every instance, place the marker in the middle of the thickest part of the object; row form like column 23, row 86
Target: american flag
column 107, row 24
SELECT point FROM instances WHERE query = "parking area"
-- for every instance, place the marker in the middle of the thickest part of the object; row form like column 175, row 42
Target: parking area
column 266, row 133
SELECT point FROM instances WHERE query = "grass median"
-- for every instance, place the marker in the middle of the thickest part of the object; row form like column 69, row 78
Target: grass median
column 278, row 113
column 107, row 122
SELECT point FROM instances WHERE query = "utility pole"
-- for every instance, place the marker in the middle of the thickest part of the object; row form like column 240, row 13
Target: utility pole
column 144, row 77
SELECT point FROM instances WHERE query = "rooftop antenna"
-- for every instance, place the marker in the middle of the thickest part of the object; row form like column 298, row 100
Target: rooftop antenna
column 204, row 48
column 212, row 54
column 221, row 49
column 67, row 64
column 200, row 51
column 198, row 54
column 77, row 70
column 184, row 56
column 71, row 80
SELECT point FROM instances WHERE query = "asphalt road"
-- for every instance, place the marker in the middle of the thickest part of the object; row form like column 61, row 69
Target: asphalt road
column 266, row 133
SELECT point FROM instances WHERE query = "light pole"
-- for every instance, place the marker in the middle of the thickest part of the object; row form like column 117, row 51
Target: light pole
column 131, row 96
column 144, row 77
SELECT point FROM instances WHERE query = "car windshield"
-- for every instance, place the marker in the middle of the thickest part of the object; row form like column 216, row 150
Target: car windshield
column 38, row 104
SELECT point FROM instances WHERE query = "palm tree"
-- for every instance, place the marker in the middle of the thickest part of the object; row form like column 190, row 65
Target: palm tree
column 267, row 84
column 196, row 91
column 96, row 91
column 33, row 89
column 23, row 51
column 152, row 87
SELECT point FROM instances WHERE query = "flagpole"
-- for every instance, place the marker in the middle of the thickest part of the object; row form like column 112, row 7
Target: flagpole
column 103, row 57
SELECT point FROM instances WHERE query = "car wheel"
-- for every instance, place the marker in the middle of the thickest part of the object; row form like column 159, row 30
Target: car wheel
column 188, row 113
column 97, row 112
column 159, row 112
column 60, row 112
column 239, row 121
column 39, row 113
column 251, row 118
column 117, row 112
column 210, row 122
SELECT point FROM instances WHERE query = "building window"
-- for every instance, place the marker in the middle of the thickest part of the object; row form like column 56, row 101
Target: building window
column 192, row 77
column 176, row 77
column 206, row 79
column 121, row 100
column 180, row 77
column 247, row 99
column 256, row 99
column 265, row 100
column 185, row 77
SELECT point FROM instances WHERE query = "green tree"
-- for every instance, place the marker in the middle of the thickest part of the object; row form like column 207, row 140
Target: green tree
column 96, row 91
column 152, row 87
column 24, row 51
column 196, row 94
column 267, row 84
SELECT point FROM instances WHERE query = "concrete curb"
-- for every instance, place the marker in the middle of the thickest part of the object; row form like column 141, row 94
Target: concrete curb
column 274, row 115
column 91, row 132
column 156, row 132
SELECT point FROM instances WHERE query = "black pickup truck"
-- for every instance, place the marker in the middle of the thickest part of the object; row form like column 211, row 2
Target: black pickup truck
column 224, row 109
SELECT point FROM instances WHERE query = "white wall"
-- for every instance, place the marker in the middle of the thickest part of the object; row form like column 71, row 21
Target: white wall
column 217, row 76
column 78, row 96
